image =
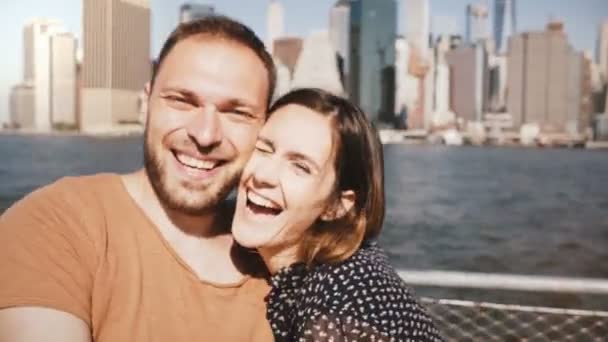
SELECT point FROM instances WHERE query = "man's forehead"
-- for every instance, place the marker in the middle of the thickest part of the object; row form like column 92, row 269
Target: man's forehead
column 213, row 68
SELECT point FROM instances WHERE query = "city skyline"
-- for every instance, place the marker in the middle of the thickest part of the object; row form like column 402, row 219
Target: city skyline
column 581, row 24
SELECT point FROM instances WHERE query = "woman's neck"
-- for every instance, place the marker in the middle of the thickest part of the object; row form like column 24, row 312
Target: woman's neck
column 278, row 258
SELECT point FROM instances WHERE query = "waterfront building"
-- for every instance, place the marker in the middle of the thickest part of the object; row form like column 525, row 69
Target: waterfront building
column 284, row 77
column 417, row 32
column 63, row 80
column 316, row 66
column 116, row 67
column 406, row 84
column 505, row 23
column 37, row 67
column 339, row 18
column 192, row 11
column 469, row 78
column 288, row 50
column 602, row 49
column 275, row 23
column 373, row 30
column 442, row 113
column 22, row 106
column 418, row 25
column 477, row 23
column 551, row 97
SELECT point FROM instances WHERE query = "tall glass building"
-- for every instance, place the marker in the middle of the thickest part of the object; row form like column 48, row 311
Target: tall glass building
column 373, row 30
column 505, row 24
column 191, row 11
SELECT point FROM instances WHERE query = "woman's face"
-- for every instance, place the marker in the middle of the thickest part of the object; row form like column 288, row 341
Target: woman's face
column 286, row 184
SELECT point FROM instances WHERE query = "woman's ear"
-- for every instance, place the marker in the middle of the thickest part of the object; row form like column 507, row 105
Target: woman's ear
column 344, row 204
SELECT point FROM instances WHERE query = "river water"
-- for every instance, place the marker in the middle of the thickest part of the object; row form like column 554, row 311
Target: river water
column 505, row 210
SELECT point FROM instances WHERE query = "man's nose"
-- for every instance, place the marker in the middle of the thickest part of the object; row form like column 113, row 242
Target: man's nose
column 205, row 128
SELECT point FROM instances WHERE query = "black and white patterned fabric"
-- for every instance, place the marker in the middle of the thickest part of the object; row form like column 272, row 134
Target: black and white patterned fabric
column 359, row 299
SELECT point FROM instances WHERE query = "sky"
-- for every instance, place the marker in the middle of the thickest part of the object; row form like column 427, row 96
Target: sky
column 581, row 17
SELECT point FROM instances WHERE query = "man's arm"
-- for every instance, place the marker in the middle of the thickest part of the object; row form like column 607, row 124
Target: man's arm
column 47, row 265
column 29, row 324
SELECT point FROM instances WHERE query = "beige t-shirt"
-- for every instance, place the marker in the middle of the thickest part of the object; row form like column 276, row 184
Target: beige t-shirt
column 81, row 245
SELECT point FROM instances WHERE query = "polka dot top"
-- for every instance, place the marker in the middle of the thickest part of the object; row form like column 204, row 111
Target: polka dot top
column 359, row 299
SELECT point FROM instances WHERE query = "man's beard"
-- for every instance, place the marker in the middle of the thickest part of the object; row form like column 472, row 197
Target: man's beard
column 205, row 196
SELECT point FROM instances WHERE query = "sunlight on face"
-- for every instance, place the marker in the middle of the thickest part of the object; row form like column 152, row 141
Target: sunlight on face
column 287, row 182
column 206, row 108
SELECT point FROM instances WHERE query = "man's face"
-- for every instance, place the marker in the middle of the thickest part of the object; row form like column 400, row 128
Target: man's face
column 205, row 110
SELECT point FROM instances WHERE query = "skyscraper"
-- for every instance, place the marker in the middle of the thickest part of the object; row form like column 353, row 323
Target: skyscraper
column 189, row 12
column 339, row 18
column 505, row 23
column 602, row 49
column 116, row 61
column 22, row 106
column 418, row 25
column 477, row 23
column 37, row 68
column 287, row 50
column 63, row 80
column 275, row 25
column 468, row 82
column 417, row 33
column 373, row 30
column 550, row 97
column 316, row 66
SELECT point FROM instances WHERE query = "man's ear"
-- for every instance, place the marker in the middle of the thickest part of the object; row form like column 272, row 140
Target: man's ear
column 344, row 204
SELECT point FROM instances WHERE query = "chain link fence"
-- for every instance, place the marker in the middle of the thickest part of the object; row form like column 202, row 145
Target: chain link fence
column 478, row 321
column 465, row 320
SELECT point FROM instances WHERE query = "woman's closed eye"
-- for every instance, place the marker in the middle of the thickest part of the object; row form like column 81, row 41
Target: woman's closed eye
column 301, row 167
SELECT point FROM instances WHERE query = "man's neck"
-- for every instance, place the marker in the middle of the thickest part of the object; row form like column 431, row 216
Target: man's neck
column 203, row 241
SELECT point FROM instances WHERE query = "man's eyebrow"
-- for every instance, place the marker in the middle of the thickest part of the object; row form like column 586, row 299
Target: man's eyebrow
column 239, row 103
column 234, row 102
column 190, row 95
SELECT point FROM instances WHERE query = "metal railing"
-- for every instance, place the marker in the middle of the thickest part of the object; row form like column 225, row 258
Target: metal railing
column 465, row 320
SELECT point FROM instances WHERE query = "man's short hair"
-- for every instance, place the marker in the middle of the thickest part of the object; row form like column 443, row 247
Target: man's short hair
column 219, row 27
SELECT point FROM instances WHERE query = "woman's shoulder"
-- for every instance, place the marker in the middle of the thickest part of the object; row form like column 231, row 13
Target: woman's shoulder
column 365, row 282
column 365, row 288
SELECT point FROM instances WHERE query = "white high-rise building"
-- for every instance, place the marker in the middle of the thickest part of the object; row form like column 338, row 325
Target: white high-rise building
column 406, row 85
column 22, row 106
column 37, row 67
column 275, row 24
column 418, row 25
column 339, row 32
column 316, row 66
column 63, row 80
column 477, row 23
column 283, row 79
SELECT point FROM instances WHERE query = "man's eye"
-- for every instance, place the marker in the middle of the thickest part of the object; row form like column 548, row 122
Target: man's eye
column 263, row 149
column 242, row 112
column 175, row 98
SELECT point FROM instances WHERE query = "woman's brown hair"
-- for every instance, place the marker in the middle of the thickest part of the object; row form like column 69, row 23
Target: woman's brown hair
column 359, row 166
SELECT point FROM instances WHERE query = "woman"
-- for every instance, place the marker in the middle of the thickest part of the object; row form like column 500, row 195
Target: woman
column 311, row 201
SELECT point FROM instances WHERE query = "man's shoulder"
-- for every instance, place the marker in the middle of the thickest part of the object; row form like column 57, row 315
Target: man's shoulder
column 67, row 200
column 74, row 187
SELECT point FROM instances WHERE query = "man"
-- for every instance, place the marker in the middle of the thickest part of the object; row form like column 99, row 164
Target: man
column 148, row 256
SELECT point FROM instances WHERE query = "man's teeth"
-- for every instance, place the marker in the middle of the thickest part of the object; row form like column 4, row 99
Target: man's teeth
column 195, row 163
column 261, row 201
